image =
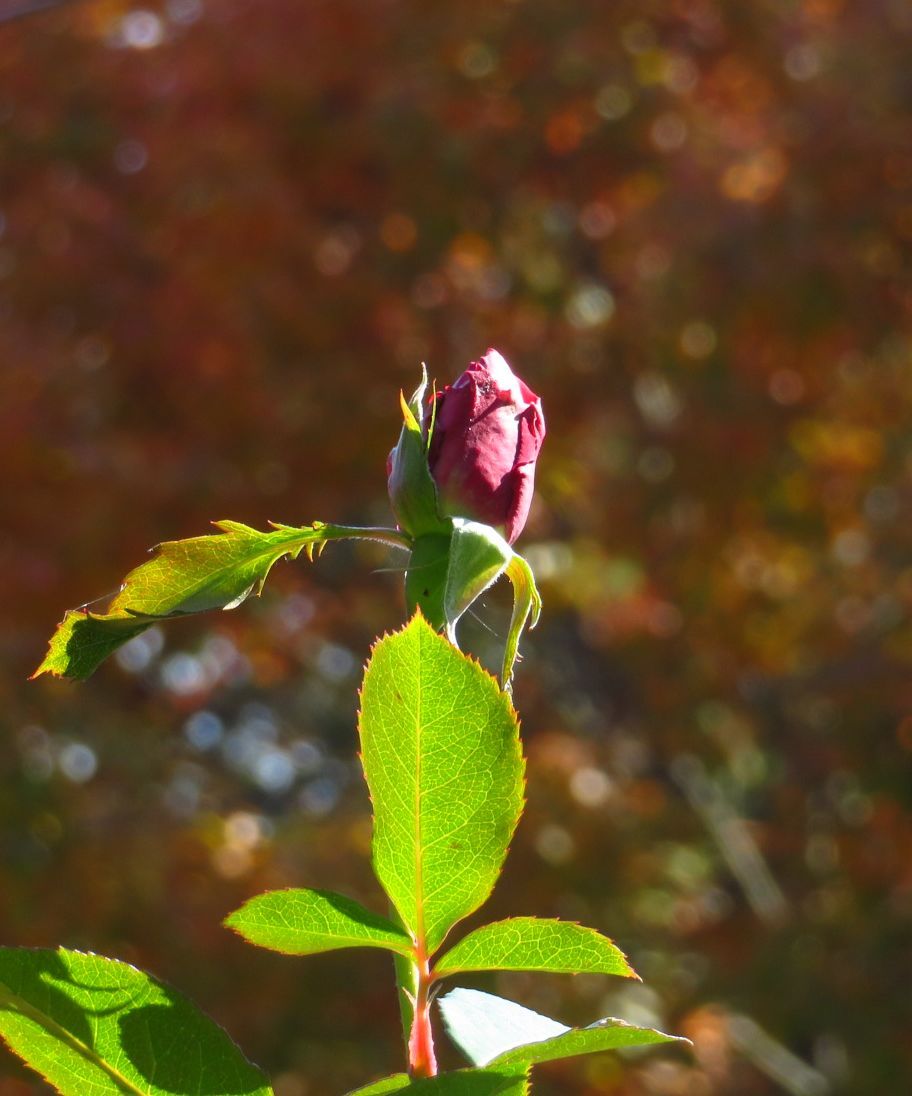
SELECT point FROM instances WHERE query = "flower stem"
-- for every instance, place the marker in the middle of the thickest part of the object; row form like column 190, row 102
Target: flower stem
column 422, row 1060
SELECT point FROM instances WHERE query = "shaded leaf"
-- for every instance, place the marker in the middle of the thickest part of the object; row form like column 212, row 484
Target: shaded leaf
column 93, row 1026
column 532, row 943
column 304, row 922
column 441, row 755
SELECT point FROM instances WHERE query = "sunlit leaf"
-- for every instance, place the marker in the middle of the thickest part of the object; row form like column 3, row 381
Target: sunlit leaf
column 532, row 943
column 304, row 922
column 185, row 577
column 441, row 754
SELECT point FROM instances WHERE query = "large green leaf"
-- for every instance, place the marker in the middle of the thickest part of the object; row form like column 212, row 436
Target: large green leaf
column 185, row 577
column 494, row 1032
column 97, row 1027
column 441, row 754
column 532, row 943
column 461, row 1082
column 304, row 922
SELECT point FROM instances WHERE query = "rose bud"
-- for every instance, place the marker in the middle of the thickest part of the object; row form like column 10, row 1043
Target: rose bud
column 488, row 429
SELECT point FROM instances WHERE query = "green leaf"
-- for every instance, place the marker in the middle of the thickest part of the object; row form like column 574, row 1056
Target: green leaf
column 607, row 1034
column 462, row 1082
column 398, row 1082
column 185, row 577
column 493, row 1032
column 304, row 922
column 526, row 601
column 93, row 1027
column 441, row 755
column 532, row 943
column 478, row 557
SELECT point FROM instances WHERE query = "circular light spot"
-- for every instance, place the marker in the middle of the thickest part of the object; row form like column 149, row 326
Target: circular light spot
column 590, row 786
column 142, row 29
column 130, row 157
column 697, row 339
column 77, row 762
column 590, row 306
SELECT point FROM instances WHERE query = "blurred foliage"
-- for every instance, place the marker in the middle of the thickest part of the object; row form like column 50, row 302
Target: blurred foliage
column 231, row 232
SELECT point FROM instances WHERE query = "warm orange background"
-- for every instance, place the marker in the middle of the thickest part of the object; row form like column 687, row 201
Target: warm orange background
column 231, row 231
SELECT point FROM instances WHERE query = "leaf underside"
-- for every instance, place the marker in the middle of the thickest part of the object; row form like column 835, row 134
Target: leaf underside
column 305, row 922
column 493, row 1032
column 442, row 759
column 97, row 1027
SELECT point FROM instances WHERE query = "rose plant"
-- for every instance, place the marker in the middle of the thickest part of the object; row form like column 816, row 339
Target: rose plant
column 443, row 762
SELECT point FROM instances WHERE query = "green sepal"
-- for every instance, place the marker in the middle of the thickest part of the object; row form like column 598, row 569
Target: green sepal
column 527, row 603
column 447, row 573
column 479, row 555
column 411, row 488
column 426, row 578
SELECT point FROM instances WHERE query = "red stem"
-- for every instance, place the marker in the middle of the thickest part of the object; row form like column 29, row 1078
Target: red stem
column 422, row 1061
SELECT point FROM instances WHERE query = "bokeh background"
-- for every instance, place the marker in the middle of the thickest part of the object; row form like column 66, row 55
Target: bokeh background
column 231, row 231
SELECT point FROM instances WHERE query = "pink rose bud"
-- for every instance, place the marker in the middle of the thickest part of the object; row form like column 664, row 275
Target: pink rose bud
column 488, row 430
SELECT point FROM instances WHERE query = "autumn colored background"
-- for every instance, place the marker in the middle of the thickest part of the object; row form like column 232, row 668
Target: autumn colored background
column 231, row 231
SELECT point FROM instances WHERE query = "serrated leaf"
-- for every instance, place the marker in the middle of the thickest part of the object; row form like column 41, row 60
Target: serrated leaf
column 98, row 1027
column 462, row 1082
column 185, row 577
column 441, row 755
column 533, row 943
column 305, row 922
column 494, row 1032
column 607, row 1034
